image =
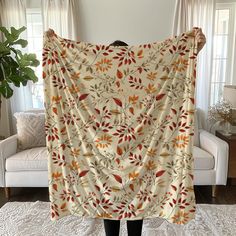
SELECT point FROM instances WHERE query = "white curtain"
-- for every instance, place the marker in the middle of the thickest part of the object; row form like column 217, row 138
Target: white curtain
column 13, row 13
column 62, row 17
column 199, row 13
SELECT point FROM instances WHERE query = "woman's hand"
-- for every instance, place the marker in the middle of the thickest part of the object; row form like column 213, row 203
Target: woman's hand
column 201, row 39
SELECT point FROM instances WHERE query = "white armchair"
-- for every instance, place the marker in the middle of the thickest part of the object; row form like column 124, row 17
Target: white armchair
column 28, row 168
column 212, row 155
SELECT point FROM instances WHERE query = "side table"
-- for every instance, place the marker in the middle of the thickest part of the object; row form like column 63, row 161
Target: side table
column 231, row 140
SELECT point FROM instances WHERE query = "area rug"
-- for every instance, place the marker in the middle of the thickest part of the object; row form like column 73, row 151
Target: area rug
column 33, row 218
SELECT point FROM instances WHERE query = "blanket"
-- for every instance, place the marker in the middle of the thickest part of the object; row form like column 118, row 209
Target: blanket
column 119, row 128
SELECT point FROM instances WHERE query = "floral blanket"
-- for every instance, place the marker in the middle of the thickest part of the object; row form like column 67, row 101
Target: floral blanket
column 119, row 128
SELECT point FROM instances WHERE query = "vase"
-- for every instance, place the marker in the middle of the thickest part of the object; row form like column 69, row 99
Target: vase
column 226, row 128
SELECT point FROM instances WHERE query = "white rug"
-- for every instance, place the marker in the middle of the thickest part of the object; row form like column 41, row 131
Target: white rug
column 32, row 218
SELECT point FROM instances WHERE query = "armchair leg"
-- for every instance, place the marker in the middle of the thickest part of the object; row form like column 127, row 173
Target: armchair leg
column 7, row 192
column 213, row 194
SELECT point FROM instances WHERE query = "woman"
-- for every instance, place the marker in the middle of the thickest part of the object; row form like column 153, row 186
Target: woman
column 134, row 227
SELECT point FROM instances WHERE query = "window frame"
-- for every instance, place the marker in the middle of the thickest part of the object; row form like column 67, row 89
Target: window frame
column 230, row 72
column 230, row 50
column 40, row 82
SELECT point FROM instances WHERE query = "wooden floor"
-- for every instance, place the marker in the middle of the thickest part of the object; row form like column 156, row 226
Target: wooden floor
column 225, row 195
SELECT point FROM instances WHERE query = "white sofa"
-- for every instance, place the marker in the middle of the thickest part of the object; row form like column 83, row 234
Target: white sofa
column 28, row 168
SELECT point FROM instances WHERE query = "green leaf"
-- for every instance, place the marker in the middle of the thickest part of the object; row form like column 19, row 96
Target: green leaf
column 5, row 89
column 28, row 72
column 30, row 56
column 28, row 60
column 12, row 35
column 15, row 33
column 22, row 42
column 4, row 50
column 5, row 32
column 24, row 83
column 15, row 65
column 2, row 72
column 35, row 63
column 15, row 80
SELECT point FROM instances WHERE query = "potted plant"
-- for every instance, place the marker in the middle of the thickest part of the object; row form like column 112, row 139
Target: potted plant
column 15, row 66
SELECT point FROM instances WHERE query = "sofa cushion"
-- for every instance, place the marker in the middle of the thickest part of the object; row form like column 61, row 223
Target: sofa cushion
column 202, row 159
column 26, row 160
column 30, row 130
column 36, row 159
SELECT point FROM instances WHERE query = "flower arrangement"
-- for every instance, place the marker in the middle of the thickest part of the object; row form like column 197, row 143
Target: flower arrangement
column 221, row 113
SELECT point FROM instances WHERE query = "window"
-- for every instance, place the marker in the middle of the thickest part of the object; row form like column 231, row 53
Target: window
column 35, row 44
column 223, row 51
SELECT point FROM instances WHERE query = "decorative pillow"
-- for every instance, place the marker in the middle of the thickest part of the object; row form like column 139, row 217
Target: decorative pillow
column 30, row 129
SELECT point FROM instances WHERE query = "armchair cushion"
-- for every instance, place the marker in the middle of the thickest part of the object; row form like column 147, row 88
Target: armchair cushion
column 8, row 148
column 203, row 160
column 30, row 130
column 220, row 150
column 28, row 160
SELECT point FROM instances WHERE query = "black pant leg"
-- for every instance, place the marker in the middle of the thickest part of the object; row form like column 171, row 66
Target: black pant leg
column 134, row 227
column 112, row 227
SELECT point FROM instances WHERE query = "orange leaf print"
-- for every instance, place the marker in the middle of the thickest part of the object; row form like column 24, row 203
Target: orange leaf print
column 63, row 53
column 133, row 175
column 133, row 99
column 56, row 175
column 56, row 98
column 150, row 89
column 119, row 150
column 118, row 178
column 119, row 74
column 118, row 84
column 131, row 109
column 160, row 173
column 54, row 186
column 63, row 130
column 44, row 75
column 54, row 109
column 131, row 186
column 83, row 173
column 63, row 205
column 140, row 205
column 118, row 102
column 140, row 52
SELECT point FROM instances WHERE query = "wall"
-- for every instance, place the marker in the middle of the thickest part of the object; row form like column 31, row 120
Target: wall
column 133, row 21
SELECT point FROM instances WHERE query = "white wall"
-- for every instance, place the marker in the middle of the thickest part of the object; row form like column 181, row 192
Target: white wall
column 132, row 21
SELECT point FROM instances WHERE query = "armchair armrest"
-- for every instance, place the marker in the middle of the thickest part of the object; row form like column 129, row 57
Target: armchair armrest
column 8, row 147
column 220, row 150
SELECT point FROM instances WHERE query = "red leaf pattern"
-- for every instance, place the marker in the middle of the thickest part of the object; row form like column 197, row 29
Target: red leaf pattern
column 118, row 102
column 118, row 125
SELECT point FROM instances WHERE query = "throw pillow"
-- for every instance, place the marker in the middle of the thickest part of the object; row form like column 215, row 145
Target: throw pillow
column 30, row 130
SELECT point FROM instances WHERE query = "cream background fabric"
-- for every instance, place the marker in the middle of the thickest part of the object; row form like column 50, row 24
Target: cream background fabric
column 119, row 125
